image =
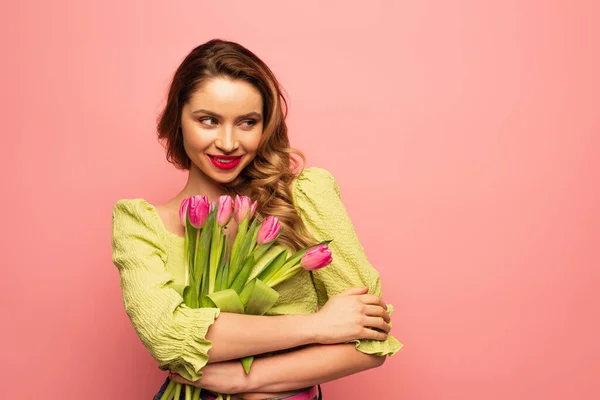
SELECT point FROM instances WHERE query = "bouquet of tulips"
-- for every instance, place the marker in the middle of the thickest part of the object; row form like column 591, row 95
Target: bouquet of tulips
column 221, row 272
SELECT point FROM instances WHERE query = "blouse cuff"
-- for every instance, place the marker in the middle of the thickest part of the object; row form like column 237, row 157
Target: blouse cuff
column 387, row 347
column 194, row 348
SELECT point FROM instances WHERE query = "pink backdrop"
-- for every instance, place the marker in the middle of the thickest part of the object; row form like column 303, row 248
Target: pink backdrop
column 464, row 136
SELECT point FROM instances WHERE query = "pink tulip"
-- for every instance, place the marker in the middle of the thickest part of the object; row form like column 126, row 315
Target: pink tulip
column 244, row 208
column 316, row 258
column 183, row 208
column 198, row 210
column 225, row 210
column 268, row 231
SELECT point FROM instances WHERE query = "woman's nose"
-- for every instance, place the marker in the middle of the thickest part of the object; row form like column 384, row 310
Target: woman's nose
column 226, row 140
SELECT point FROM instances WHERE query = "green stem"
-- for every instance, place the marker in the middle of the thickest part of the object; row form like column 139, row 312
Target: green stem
column 196, row 395
column 188, row 392
column 215, row 255
column 196, row 247
column 168, row 391
column 177, row 391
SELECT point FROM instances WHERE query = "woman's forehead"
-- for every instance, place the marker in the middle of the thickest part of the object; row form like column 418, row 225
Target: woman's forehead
column 226, row 96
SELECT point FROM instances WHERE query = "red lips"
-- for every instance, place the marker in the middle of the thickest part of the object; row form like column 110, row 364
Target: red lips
column 215, row 159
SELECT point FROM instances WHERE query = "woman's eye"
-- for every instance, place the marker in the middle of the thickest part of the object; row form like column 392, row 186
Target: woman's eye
column 206, row 121
column 251, row 122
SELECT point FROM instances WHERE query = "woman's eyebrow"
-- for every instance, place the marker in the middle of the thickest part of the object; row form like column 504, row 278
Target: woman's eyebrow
column 250, row 114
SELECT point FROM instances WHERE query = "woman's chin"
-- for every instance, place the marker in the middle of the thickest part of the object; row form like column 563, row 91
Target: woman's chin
column 225, row 176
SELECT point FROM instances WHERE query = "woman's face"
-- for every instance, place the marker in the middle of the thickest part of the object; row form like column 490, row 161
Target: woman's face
column 222, row 124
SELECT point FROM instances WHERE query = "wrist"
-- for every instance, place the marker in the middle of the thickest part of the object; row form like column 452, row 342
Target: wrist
column 244, row 381
column 310, row 328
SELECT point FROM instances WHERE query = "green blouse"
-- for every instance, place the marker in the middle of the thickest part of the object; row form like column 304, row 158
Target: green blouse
column 150, row 260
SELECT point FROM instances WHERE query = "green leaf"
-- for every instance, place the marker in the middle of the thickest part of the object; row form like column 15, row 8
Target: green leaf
column 241, row 262
column 291, row 262
column 261, row 250
column 190, row 297
column 250, row 239
column 203, row 255
column 191, row 235
column 221, row 266
column 235, row 251
column 198, row 263
column 274, row 266
column 215, row 253
column 228, row 301
column 262, row 298
column 247, row 363
column 247, row 292
column 224, row 276
column 242, row 277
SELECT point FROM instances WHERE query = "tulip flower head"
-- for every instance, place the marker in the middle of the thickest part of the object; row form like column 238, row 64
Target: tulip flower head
column 198, row 210
column 225, row 211
column 243, row 208
column 316, row 258
column 183, row 208
column 268, row 230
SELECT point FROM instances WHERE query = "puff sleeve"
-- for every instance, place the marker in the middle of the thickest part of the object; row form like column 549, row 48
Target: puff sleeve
column 174, row 334
column 317, row 199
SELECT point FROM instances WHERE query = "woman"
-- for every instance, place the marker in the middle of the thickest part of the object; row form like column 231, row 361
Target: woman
column 224, row 122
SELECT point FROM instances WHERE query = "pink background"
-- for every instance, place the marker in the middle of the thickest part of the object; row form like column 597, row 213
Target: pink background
column 464, row 136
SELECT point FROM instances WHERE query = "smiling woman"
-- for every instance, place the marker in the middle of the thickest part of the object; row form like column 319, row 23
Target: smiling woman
column 224, row 122
column 222, row 144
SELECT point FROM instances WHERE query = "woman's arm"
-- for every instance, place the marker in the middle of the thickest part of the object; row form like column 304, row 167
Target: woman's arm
column 344, row 317
column 180, row 337
column 307, row 367
column 278, row 375
column 238, row 335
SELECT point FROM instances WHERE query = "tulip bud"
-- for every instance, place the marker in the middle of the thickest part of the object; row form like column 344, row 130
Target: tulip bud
column 225, row 210
column 198, row 210
column 316, row 258
column 253, row 209
column 268, row 230
column 183, row 208
column 242, row 208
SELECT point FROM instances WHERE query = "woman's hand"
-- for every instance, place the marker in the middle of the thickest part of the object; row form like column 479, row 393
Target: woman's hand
column 350, row 315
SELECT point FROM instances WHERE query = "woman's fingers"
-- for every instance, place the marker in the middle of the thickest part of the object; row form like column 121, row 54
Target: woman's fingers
column 376, row 311
column 355, row 291
column 373, row 334
column 180, row 379
column 374, row 300
column 376, row 322
column 370, row 299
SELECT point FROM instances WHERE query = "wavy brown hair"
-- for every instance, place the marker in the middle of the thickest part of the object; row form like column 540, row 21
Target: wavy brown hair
column 268, row 178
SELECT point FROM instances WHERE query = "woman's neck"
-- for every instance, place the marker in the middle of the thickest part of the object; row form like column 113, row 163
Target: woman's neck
column 200, row 184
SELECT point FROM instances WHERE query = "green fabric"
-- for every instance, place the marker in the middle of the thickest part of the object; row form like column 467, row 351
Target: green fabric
column 150, row 260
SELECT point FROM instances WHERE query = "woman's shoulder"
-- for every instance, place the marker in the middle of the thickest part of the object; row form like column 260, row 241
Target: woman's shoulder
column 135, row 214
column 314, row 189
column 133, row 206
column 314, row 178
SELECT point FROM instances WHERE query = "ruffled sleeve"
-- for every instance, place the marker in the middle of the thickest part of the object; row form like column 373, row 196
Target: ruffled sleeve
column 174, row 334
column 317, row 198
